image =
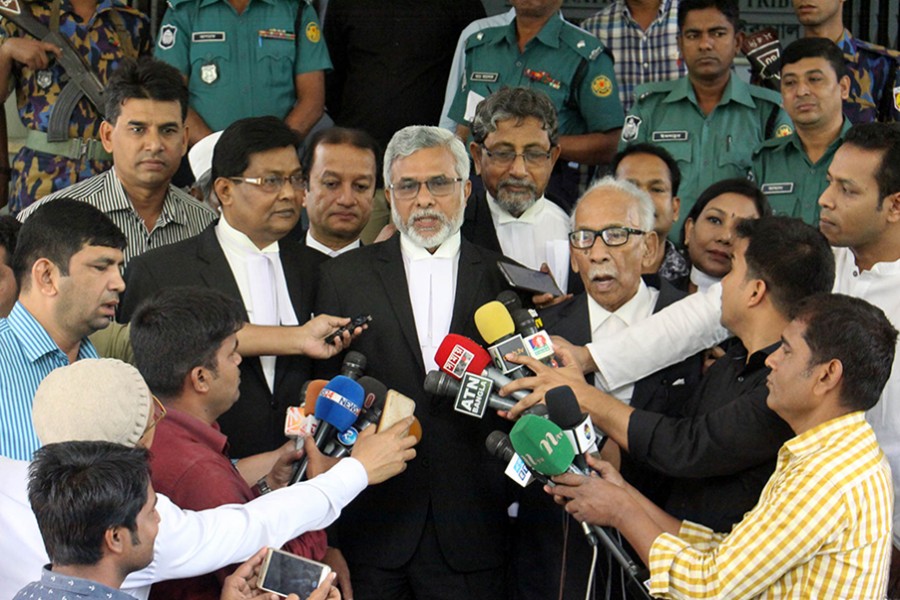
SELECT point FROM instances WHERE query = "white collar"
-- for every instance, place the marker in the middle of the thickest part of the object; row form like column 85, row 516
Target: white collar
column 239, row 240
column 702, row 280
column 501, row 217
column 412, row 251
column 636, row 309
column 312, row 242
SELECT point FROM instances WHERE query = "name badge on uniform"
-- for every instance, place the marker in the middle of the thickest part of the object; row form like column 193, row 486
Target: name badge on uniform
column 209, row 73
column 484, row 77
column 777, row 188
column 670, row 136
column 208, row 36
column 44, row 78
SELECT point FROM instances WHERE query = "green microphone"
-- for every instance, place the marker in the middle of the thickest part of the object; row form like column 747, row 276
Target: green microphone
column 543, row 446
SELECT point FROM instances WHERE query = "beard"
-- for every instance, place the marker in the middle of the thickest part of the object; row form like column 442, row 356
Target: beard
column 516, row 202
column 448, row 225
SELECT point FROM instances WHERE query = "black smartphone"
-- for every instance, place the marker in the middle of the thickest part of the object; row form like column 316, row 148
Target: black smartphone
column 284, row 573
column 357, row 321
column 530, row 280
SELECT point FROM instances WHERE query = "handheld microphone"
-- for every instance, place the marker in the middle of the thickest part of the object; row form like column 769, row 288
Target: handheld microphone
column 337, row 408
column 374, row 393
column 510, row 300
column 458, row 355
column 563, row 409
column 537, row 341
column 498, row 445
column 354, row 365
column 473, row 394
column 497, row 328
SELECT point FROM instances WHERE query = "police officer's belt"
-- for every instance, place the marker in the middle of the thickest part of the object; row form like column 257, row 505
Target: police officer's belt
column 74, row 148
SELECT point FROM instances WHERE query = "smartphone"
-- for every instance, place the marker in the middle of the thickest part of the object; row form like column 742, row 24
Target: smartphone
column 396, row 408
column 522, row 278
column 284, row 573
column 357, row 321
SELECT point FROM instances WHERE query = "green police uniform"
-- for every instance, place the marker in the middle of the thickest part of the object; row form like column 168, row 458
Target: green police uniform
column 710, row 147
column 241, row 65
column 789, row 180
column 568, row 64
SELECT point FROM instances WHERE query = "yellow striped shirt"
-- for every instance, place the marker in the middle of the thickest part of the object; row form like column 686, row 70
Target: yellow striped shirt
column 821, row 529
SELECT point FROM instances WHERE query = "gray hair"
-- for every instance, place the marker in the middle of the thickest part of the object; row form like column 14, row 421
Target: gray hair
column 515, row 103
column 646, row 209
column 413, row 138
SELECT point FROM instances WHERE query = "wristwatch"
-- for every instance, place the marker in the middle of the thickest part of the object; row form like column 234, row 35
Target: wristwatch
column 263, row 486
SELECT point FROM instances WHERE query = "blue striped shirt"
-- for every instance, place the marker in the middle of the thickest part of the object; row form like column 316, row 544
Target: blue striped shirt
column 27, row 355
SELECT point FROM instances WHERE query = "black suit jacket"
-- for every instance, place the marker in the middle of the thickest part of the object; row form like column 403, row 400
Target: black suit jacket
column 452, row 478
column 540, row 529
column 256, row 422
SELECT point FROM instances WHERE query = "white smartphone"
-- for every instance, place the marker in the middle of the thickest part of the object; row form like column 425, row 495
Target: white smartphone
column 284, row 573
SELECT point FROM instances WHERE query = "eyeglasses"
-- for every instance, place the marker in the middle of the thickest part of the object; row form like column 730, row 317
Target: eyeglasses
column 583, row 239
column 504, row 158
column 408, row 189
column 272, row 183
column 159, row 413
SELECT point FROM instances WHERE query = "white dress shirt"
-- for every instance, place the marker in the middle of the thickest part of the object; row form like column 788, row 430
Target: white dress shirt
column 260, row 279
column 315, row 244
column 189, row 543
column 432, row 291
column 605, row 324
column 540, row 235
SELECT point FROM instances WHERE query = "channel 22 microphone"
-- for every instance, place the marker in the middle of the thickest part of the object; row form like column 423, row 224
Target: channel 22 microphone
column 354, row 364
column 462, row 358
column 473, row 396
column 563, row 409
column 337, row 408
column 497, row 328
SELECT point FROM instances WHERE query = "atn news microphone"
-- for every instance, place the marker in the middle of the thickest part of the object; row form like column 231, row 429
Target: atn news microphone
column 473, row 395
column 462, row 358
column 497, row 328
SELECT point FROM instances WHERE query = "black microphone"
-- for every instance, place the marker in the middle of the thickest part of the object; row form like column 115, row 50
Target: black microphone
column 498, row 445
column 473, row 394
column 354, row 364
column 537, row 341
column 510, row 300
column 563, row 410
column 375, row 393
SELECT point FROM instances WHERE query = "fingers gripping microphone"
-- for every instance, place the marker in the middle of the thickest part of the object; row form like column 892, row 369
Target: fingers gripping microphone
column 473, row 394
column 354, row 365
column 458, row 355
column 563, row 409
column 497, row 328
column 374, row 393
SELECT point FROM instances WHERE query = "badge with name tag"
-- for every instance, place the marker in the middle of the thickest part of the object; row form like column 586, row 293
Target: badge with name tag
column 777, row 188
column 670, row 136
column 484, row 77
column 208, row 36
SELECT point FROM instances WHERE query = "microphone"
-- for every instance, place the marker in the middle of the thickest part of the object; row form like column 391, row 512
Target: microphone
column 509, row 299
column 537, row 341
column 546, row 449
column 497, row 328
column 374, row 393
column 354, row 364
column 498, row 445
column 337, row 408
column 473, row 394
column 563, row 409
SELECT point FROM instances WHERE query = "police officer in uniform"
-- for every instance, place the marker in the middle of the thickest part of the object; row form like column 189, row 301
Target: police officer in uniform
column 542, row 51
column 709, row 121
column 100, row 36
column 246, row 59
column 874, row 70
column 791, row 171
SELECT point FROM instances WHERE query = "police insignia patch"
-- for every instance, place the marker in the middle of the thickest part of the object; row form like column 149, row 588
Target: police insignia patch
column 167, row 36
column 209, row 73
column 601, row 86
column 44, row 78
column 783, row 130
column 312, row 32
column 630, row 128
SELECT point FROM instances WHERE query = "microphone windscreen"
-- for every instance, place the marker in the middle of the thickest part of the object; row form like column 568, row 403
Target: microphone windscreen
column 340, row 402
column 562, row 407
column 311, row 390
column 374, row 392
column 523, row 321
column 458, row 354
column 542, row 445
column 510, row 300
column 498, row 444
column 493, row 322
column 415, row 429
column 354, row 364
column 440, row 384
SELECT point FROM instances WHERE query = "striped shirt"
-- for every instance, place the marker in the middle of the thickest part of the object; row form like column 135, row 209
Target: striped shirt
column 821, row 529
column 640, row 56
column 182, row 216
column 27, row 355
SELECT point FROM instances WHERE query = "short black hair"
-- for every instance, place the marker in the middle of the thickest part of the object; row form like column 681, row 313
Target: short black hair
column 856, row 333
column 144, row 79
column 515, row 103
column 730, row 8
column 737, row 185
column 813, row 47
column 79, row 490
column 792, row 257
column 57, row 230
column 246, row 137
column 655, row 150
column 884, row 138
column 177, row 329
column 337, row 136
column 9, row 234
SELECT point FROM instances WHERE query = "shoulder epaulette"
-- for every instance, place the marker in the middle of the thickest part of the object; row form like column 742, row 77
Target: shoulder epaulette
column 645, row 90
column 876, row 49
column 762, row 93
column 772, row 142
column 584, row 44
column 176, row 3
column 480, row 38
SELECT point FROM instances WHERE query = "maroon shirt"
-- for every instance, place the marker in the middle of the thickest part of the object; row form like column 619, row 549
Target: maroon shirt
column 191, row 467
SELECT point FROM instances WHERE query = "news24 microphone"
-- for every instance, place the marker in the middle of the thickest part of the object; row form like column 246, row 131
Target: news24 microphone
column 537, row 341
column 563, row 409
column 354, row 365
column 374, row 393
column 473, row 394
column 498, row 445
column 337, row 408
column 497, row 328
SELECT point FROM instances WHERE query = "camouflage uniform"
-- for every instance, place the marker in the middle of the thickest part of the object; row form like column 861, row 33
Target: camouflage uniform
column 36, row 174
column 874, row 81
